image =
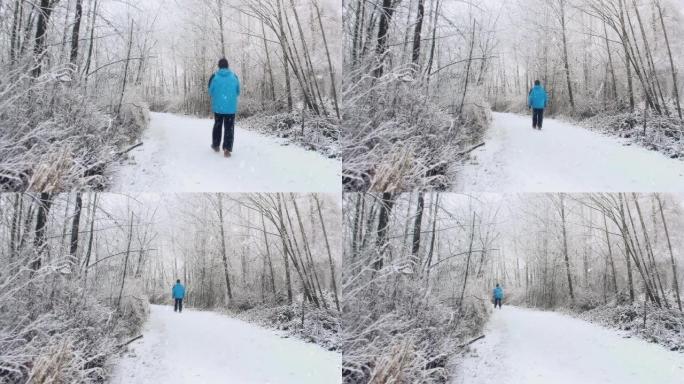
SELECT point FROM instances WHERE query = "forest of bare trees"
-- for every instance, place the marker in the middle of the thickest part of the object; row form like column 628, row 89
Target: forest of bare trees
column 419, row 270
column 414, row 269
column 401, row 88
column 79, row 77
column 79, row 271
column 425, row 73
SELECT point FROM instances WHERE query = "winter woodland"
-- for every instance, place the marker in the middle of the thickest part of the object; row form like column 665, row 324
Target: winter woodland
column 423, row 75
column 419, row 270
column 80, row 270
column 79, row 78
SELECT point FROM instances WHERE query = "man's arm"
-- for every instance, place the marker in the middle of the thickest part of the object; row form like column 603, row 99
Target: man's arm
column 210, row 80
column 529, row 99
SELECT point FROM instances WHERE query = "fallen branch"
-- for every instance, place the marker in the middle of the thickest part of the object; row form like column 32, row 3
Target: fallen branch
column 470, row 342
column 129, row 149
column 134, row 339
column 471, row 149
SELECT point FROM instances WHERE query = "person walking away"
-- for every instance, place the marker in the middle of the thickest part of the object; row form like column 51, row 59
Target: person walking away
column 498, row 296
column 178, row 293
column 537, row 100
column 224, row 90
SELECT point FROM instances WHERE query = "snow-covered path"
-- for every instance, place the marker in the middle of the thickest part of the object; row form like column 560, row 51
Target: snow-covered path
column 176, row 157
column 207, row 348
column 563, row 158
column 524, row 346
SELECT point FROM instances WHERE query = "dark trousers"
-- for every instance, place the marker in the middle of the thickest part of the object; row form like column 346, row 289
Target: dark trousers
column 537, row 117
column 178, row 305
column 227, row 122
column 497, row 301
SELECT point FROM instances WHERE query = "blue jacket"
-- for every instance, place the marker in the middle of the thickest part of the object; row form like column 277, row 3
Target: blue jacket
column 498, row 293
column 224, row 89
column 537, row 98
column 178, row 291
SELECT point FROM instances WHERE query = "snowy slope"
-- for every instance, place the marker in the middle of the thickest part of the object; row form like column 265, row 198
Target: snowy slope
column 524, row 346
column 176, row 157
column 205, row 347
column 563, row 158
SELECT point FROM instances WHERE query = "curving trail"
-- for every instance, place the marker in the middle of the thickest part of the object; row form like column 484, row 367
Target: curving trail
column 524, row 346
column 209, row 348
column 176, row 157
column 563, row 158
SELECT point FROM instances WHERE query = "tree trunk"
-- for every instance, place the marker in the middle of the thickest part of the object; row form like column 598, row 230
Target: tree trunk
column 125, row 74
column 566, row 62
column 44, row 204
column 415, row 247
column 330, row 260
column 75, row 226
column 675, row 281
column 330, row 66
column 383, row 35
column 467, row 74
column 224, row 255
column 386, row 205
column 417, row 32
column 75, row 32
column 467, row 268
column 44, row 14
column 268, row 255
column 125, row 266
column 610, row 256
column 672, row 66
column 565, row 246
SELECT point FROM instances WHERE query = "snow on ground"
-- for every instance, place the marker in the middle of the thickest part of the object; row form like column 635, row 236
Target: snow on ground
column 206, row 347
column 176, row 157
column 563, row 158
column 524, row 346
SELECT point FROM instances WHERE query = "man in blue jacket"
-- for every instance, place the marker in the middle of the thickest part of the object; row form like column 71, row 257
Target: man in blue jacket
column 178, row 293
column 537, row 100
column 498, row 295
column 224, row 89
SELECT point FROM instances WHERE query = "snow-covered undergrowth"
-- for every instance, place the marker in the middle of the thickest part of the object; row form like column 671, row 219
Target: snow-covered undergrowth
column 395, row 138
column 402, row 335
column 315, row 325
column 53, row 138
column 659, row 133
column 301, row 128
column 662, row 326
column 51, row 332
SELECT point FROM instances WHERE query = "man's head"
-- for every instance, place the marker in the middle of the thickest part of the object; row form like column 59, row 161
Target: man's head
column 178, row 281
column 223, row 63
column 537, row 82
column 497, row 285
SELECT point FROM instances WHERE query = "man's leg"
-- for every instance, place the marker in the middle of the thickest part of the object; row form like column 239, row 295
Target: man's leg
column 180, row 305
column 216, row 133
column 540, row 119
column 175, row 305
column 534, row 118
column 229, row 135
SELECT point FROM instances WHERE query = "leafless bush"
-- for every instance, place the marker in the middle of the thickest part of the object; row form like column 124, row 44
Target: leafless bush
column 53, row 138
column 320, row 326
column 395, row 138
column 53, row 332
column 393, row 330
column 659, row 133
column 662, row 326
column 316, row 133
